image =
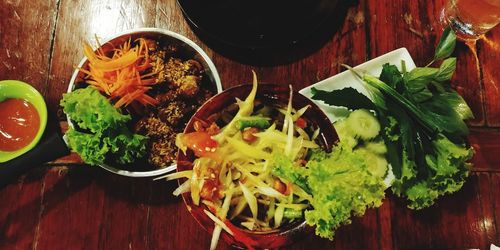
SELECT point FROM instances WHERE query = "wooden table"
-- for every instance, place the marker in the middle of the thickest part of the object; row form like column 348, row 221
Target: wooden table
column 67, row 205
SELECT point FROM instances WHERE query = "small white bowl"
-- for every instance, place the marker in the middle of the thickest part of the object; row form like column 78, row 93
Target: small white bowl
column 166, row 37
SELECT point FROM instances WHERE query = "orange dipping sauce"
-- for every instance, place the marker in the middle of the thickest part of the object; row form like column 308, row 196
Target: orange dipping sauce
column 19, row 124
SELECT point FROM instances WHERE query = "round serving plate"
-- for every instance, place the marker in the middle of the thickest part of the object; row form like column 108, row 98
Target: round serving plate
column 184, row 44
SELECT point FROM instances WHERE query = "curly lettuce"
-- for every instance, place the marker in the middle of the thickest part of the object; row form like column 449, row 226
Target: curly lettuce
column 102, row 130
column 92, row 111
column 340, row 183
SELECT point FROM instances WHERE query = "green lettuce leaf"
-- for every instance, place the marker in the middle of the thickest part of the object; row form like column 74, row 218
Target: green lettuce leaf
column 102, row 131
column 340, row 183
column 285, row 168
column 92, row 111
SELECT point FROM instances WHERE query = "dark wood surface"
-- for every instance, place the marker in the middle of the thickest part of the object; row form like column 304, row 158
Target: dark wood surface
column 67, row 205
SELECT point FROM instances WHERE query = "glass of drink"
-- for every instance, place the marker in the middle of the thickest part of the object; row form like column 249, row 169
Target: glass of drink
column 471, row 18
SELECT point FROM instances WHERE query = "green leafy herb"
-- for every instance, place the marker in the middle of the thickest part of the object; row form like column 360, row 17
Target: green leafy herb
column 446, row 69
column 446, row 44
column 103, row 132
column 390, row 75
column 343, row 97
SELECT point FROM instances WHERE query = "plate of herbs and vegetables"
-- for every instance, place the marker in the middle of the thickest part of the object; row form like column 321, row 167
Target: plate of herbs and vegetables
column 422, row 119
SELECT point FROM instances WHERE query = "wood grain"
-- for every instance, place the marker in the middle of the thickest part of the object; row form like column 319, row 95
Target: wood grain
column 20, row 211
column 67, row 205
column 101, row 19
column 455, row 221
column 487, row 148
column 495, row 196
column 489, row 53
column 26, row 56
column 72, row 209
column 486, row 197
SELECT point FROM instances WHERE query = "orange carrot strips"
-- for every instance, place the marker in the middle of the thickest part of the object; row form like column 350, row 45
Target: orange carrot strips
column 125, row 76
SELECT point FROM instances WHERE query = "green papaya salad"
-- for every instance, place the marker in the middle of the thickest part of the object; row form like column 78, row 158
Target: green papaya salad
column 259, row 168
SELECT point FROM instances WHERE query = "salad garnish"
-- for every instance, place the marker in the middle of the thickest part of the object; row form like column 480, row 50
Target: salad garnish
column 126, row 76
column 102, row 130
column 423, row 123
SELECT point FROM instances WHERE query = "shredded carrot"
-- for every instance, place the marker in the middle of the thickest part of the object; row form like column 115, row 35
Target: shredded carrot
column 125, row 76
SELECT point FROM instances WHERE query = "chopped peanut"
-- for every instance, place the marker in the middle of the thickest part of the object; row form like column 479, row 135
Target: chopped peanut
column 280, row 186
column 248, row 134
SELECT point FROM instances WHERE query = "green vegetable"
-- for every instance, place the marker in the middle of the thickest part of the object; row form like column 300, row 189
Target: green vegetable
column 446, row 44
column 286, row 169
column 377, row 164
column 376, row 147
column 363, row 124
column 343, row 97
column 253, row 121
column 92, row 111
column 423, row 126
column 449, row 167
column 103, row 132
column 446, row 70
column 340, row 183
column 293, row 213
column 344, row 132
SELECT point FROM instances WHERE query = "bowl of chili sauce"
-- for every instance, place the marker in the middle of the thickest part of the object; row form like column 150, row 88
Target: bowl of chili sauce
column 23, row 117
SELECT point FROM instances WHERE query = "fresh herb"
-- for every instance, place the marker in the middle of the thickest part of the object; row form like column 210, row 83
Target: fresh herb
column 344, row 98
column 102, row 132
column 424, row 128
column 446, row 44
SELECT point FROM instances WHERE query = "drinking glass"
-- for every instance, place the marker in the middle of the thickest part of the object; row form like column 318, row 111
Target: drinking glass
column 471, row 18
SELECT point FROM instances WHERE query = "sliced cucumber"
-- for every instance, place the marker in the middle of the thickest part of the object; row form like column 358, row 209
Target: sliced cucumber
column 363, row 124
column 376, row 147
column 345, row 134
column 375, row 163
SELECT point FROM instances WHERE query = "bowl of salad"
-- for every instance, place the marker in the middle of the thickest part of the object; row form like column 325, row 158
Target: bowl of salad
column 129, row 97
column 227, row 163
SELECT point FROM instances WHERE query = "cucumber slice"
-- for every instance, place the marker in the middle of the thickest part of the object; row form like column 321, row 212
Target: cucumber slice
column 345, row 134
column 363, row 124
column 375, row 163
column 376, row 147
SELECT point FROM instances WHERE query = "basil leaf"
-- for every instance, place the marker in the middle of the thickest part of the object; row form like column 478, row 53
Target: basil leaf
column 421, row 96
column 347, row 97
column 457, row 104
column 392, row 77
column 446, row 69
column 419, row 78
column 446, row 44
column 447, row 111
